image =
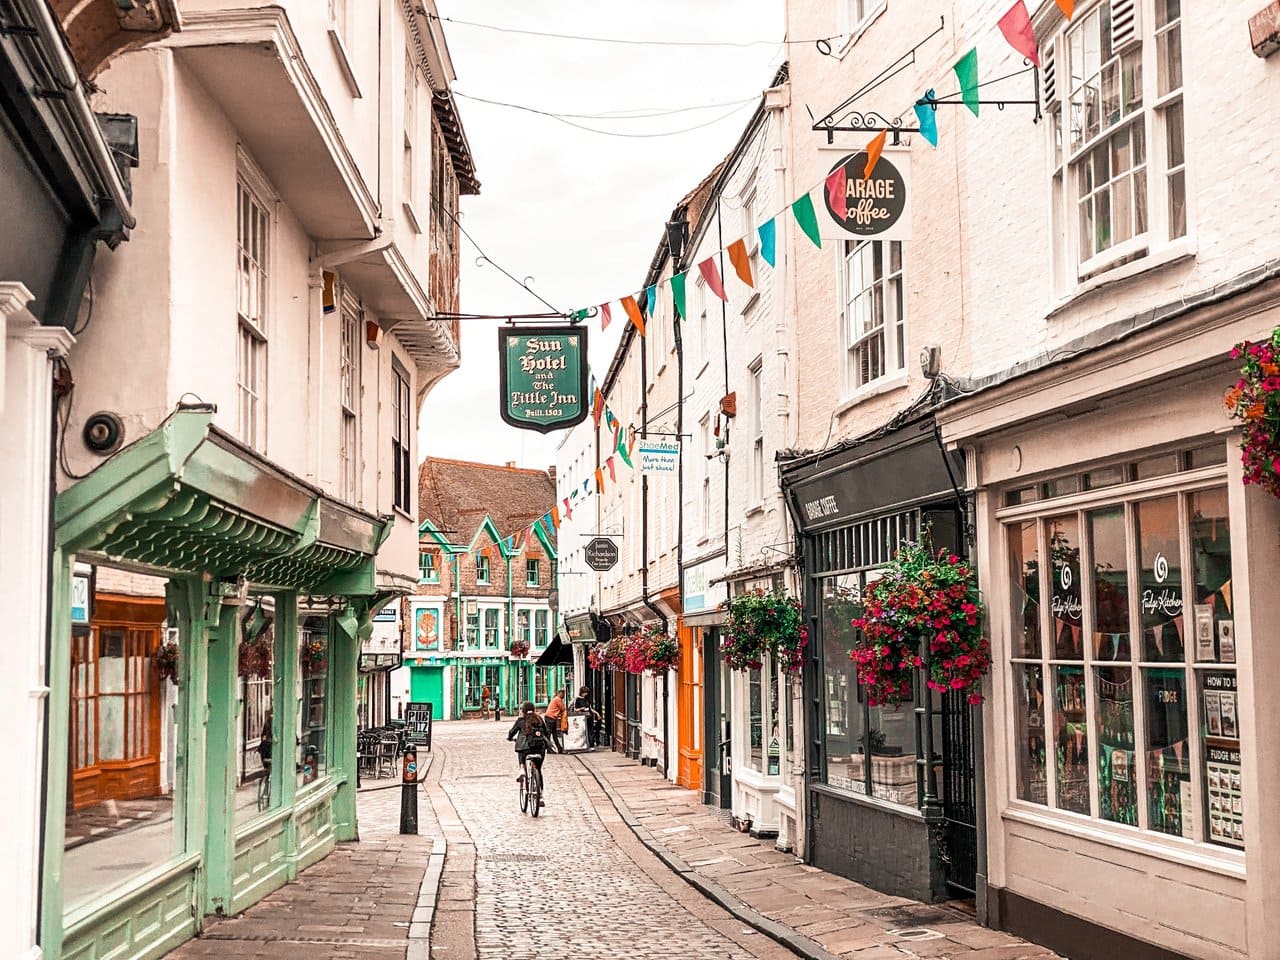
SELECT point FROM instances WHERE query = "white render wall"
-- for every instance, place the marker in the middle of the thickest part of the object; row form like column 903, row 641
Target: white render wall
column 575, row 463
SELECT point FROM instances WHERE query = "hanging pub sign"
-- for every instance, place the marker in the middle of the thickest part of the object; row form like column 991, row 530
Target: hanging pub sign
column 861, row 207
column 543, row 376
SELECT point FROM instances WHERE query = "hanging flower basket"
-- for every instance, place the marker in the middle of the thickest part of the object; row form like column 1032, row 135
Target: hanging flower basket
column 611, row 653
column 1255, row 402
column 921, row 599
column 313, row 654
column 254, row 657
column 652, row 649
column 166, row 660
column 761, row 623
column 519, row 648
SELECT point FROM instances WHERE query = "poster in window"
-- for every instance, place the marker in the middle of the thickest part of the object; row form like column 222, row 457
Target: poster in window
column 1213, row 712
column 1227, row 641
column 1204, row 631
column 1229, row 716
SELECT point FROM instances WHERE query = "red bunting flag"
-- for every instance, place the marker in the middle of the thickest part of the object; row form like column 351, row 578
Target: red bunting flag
column 837, row 192
column 1016, row 27
column 568, row 510
column 606, row 316
column 710, row 274
column 741, row 261
column 612, row 473
column 874, row 149
column 634, row 312
column 1068, row 8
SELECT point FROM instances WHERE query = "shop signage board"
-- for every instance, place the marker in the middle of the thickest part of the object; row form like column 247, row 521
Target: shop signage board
column 601, row 554
column 877, row 207
column 543, row 373
column 80, row 598
column 417, row 718
column 388, row 614
column 659, row 457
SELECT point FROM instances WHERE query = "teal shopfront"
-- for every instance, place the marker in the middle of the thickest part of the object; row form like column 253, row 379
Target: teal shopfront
column 268, row 590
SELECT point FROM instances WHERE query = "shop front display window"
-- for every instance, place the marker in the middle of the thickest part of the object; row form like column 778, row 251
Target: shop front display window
column 755, row 725
column 1157, row 669
column 124, row 734
column 474, row 680
column 257, row 686
column 313, row 754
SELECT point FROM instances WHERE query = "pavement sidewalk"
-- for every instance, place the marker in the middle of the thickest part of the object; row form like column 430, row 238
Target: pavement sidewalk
column 814, row 913
column 370, row 900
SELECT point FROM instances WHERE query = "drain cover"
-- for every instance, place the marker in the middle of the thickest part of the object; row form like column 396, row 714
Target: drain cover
column 915, row 934
column 517, row 858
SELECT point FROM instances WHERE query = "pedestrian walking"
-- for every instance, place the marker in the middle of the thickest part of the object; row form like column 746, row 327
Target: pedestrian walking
column 582, row 704
column 557, row 718
column 484, row 702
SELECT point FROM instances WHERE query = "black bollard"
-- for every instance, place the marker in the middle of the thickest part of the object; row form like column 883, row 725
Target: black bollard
column 409, row 791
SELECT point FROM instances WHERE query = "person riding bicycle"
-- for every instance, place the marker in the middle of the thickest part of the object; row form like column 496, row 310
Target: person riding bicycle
column 530, row 734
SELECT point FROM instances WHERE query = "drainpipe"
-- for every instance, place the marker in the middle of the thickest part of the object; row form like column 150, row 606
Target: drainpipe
column 676, row 231
column 644, row 524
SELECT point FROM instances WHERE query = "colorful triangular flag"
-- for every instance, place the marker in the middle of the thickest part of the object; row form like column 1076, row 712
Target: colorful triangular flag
column 838, row 192
column 966, row 69
column 807, row 217
column 597, row 407
column 606, row 316
column 677, row 293
column 874, row 149
column 612, row 472
column 768, row 238
column 927, row 118
column 568, row 510
column 1016, row 27
column 623, row 453
column 741, row 261
column 599, row 481
column 633, row 312
column 650, row 298
column 1068, row 8
column 711, row 274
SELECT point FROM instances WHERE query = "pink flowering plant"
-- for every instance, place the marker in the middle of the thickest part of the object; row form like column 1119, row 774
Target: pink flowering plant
column 519, row 648
column 659, row 650
column 254, row 657
column 166, row 661
column 611, row 653
column 923, row 602
column 1255, row 401
column 761, row 623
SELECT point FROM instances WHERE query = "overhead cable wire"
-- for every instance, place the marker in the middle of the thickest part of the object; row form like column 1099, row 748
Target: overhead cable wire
column 627, row 41
column 615, row 133
column 634, row 113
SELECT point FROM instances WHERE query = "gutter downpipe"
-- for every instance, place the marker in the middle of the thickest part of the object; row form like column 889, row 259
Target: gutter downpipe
column 676, row 233
column 644, row 532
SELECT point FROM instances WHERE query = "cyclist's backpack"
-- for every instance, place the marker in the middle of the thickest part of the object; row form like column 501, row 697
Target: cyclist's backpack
column 537, row 737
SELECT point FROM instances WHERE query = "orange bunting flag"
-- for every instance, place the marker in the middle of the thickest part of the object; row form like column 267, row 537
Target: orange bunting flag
column 874, row 149
column 555, row 517
column 599, row 480
column 606, row 316
column 710, row 274
column 634, row 312
column 1068, row 8
column 597, row 407
column 741, row 262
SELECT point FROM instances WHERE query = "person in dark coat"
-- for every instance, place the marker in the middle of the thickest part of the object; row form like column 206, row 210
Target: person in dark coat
column 530, row 734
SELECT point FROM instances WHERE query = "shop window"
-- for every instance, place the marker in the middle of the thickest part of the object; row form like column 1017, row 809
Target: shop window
column 1146, row 713
column 258, row 671
column 542, row 685
column 755, row 725
column 474, row 682
column 124, row 727
column 313, row 753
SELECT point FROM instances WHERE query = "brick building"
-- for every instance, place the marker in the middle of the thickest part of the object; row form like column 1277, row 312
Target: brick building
column 486, row 569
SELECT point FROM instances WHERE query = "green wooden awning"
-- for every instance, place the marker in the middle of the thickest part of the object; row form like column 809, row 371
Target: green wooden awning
column 189, row 499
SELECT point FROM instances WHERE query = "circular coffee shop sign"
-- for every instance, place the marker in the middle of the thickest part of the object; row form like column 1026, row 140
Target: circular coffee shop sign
column 543, row 376
column 868, row 206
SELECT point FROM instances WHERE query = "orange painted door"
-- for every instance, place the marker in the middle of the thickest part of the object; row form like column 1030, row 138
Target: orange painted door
column 689, row 708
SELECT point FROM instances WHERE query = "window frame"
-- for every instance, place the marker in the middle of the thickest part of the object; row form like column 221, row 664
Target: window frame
column 541, row 627
column 484, row 571
column 254, row 299
column 532, row 572
column 893, row 334
column 1182, row 485
column 401, row 437
column 349, row 395
column 430, row 572
column 485, row 628
column 755, row 407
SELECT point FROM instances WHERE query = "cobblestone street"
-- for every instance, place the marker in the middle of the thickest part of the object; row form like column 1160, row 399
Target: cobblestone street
column 573, row 882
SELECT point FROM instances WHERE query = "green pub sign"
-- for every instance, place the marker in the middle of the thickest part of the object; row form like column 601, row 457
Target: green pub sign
column 544, row 376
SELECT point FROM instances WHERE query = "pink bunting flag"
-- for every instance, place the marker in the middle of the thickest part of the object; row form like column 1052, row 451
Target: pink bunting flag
column 568, row 510
column 710, row 274
column 1016, row 27
column 606, row 316
column 837, row 192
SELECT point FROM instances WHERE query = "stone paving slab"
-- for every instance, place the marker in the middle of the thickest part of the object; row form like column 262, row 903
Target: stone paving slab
column 370, row 900
column 814, row 913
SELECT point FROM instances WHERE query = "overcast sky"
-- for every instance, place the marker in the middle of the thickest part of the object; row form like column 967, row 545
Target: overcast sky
column 580, row 212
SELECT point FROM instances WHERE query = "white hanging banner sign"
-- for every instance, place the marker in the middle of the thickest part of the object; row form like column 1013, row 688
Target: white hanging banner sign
column 858, row 207
column 659, row 457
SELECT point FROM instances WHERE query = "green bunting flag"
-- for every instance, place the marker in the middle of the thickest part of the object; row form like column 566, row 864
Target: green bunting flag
column 807, row 218
column 677, row 292
column 966, row 69
column 622, row 449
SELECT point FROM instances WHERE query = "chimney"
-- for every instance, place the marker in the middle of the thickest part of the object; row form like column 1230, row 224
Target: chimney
column 551, row 472
column 511, row 464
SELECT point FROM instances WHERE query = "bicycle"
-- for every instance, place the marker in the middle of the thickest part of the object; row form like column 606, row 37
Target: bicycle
column 530, row 788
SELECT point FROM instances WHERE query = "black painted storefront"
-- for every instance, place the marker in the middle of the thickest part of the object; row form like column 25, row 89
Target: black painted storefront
column 853, row 504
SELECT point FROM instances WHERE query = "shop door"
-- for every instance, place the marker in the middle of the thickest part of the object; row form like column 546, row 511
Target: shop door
column 619, row 714
column 960, row 841
column 689, row 709
column 717, row 786
column 115, row 714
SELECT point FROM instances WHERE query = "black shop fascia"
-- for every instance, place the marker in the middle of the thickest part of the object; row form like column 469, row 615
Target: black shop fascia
column 890, row 792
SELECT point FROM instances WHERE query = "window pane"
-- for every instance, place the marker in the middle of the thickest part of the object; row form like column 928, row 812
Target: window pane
column 1066, row 606
column 1161, row 579
column 1174, row 134
column 755, row 697
column 893, row 754
column 1028, row 691
column 1178, row 205
column 844, row 734
column 1168, row 752
column 1117, row 788
column 1024, row 571
column 1169, row 59
column 1071, row 730
column 1215, row 637
column 313, row 756
column 1110, row 584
